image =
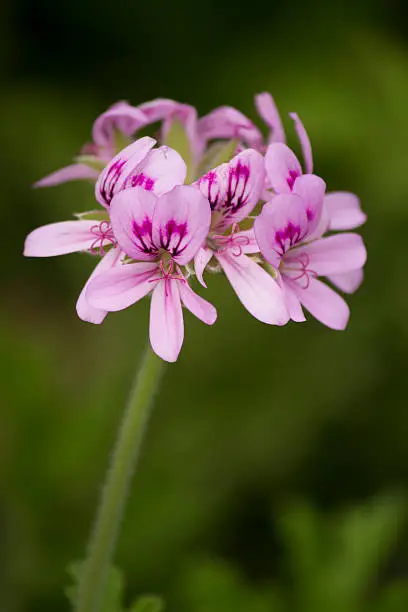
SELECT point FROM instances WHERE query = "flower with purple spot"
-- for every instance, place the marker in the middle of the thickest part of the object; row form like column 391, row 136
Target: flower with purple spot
column 298, row 255
column 233, row 190
column 160, row 236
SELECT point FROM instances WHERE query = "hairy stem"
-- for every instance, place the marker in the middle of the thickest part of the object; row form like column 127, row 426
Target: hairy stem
column 116, row 487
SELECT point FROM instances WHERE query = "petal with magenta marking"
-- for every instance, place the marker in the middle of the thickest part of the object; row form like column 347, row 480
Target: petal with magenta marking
column 282, row 167
column 233, row 189
column 181, row 222
column 131, row 214
column 120, row 169
column 281, row 226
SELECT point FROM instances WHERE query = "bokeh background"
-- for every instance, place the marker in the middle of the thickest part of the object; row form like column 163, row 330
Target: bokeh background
column 275, row 471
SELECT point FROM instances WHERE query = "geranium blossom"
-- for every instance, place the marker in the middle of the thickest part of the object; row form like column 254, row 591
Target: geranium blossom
column 160, row 168
column 233, row 191
column 162, row 235
column 116, row 128
column 153, row 233
column 286, row 234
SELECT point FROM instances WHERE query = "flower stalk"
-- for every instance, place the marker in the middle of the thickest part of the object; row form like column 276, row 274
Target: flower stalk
column 116, row 487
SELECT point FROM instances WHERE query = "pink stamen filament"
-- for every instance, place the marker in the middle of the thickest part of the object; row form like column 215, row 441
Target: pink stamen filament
column 102, row 231
column 167, row 275
column 232, row 241
column 306, row 273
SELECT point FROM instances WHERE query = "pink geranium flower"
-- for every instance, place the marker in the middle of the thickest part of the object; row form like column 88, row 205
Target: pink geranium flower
column 122, row 121
column 233, row 190
column 156, row 170
column 287, row 234
column 162, row 235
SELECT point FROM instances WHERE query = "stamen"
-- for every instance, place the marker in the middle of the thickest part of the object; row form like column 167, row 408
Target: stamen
column 232, row 241
column 102, row 231
column 167, row 275
column 306, row 273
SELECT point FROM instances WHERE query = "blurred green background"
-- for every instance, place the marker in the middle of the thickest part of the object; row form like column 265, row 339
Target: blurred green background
column 275, row 471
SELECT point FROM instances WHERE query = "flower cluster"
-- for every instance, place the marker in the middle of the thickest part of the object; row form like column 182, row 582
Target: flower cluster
column 212, row 196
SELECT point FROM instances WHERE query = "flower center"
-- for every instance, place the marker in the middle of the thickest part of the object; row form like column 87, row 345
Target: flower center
column 168, row 272
column 102, row 232
column 297, row 268
column 232, row 241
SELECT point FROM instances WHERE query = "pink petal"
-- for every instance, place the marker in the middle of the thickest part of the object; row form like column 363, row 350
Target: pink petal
column 282, row 167
column 267, row 109
column 124, row 165
column 85, row 311
column 344, row 210
column 202, row 309
column 201, row 260
column 122, row 286
column 167, row 111
column 292, row 302
column 161, row 108
column 161, row 170
column 166, row 321
column 61, row 238
column 256, row 289
column 304, row 143
column 234, row 189
column 121, row 117
column 74, row 172
column 227, row 122
column 323, row 303
column 348, row 282
column 281, row 225
column 311, row 189
column 131, row 214
column 336, row 254
column 181, row 222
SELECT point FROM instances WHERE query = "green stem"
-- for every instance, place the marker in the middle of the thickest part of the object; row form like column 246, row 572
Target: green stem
column 115, row 490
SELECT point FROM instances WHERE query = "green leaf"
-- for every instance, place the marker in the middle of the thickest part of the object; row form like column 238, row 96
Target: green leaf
column 147, row 603
column 178, row 140
column 113, row 593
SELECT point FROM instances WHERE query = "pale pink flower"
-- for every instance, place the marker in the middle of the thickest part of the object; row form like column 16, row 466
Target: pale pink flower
column 125, row 120
column 162, row 235
column 336, row 210
column 286, row 231
column 156, row 170
column 233, row 190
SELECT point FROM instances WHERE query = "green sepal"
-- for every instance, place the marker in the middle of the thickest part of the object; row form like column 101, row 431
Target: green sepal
column 121, row 141
column 147, row 603
column 113, row 591
column 97, row 215
column 178, row 140
column 92, row 161
column 218, row 153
